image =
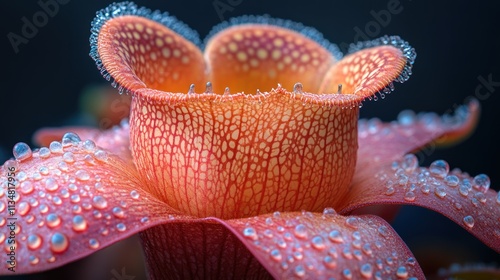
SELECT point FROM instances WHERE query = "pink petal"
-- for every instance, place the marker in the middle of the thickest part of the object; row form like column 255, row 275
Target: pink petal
column 380, row 143
column 115, row 140
column 70, row 200
column 466, row 200
column 316, row 246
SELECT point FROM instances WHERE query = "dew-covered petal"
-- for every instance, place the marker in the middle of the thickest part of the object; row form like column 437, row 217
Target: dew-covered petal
column 115, row 140
column 201, row 249
column 320, row 246
column 381, row 143
column 140, row 48
column 69, row 202
column 257, row 55
column 371, row 68
column 466, row 200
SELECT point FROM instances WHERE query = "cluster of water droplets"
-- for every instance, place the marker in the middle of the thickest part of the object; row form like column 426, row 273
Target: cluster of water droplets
column 60, row 197
column 302, row 248
column 437, row 180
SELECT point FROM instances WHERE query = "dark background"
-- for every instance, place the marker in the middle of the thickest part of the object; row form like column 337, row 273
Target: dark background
column 456, row 42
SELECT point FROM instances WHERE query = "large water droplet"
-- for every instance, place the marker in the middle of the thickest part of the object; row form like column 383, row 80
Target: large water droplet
column 250, row 233
column 410, row 196
column 55, row 147
column 481, row 182
column 101, row 155
column 366, row 270
column 118, row 212
column 318, row 243
column 300, row 231
column 99, row 202
column 440, row 191
column 329, row 262
column 51, row 184
column 53, row 220
column 300, row 271
column 347, row 274
column 335, row 236
column 401, row 272
column 22, row 151
column 468, row 221
column 44, row 152
column 58, row 243
column 121, row 227
column 23, row 208
column 89, row 146
column 79, row 223
column 329, row 211
column 452, row 180
column 439, row 168
column 26, row 187
column 352, row 222
column 276, row 255
column 34, row 241
column 70, row 139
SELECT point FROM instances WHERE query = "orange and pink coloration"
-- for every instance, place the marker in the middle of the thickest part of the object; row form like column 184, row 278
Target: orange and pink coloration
column 266, row 162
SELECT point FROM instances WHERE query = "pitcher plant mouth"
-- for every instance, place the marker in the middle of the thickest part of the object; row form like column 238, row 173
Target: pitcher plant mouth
column 241, row 154
column 267, row 162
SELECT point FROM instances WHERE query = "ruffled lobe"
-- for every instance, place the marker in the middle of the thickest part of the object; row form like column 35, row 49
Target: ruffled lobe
column 71, row 199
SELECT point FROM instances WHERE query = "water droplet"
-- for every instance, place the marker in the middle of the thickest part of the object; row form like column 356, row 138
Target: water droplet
column 481, row 182
column 93, row 243
column 347, row 274
column 329, row 211
column 43, row 170
column 390, row 191
column 57, row 200
column 79, row 223
column 144, row 220
column 411, row 261
column 118, row 212
column 44, row 152
column 383, row 230
column 43, row 208
column 34, row 241
column 440, row 191
column 68, row 157
column 463, row 189
column 101, row 155
column 51, row 184
column 89, row 146
column 23, row 208
column 352, row 222
column 82, row 175
column 439, row 168
column 250, row 233
column 69, row 139
column 134, row 194
column 410, row 196
column 468, row 221
column 318, row 243
column 300, row 231
column 451, row 180
column 55, row 147
column 99, row 202
column 335, row 236
column 277, row 214
column 402, row 272
column 22, row 151
column 58, row 243
column 121, row 227
column 53, row 220
column 26, row 187
column 300, row 271
column 366, row 270
column 406, row 117
column 409, row 163
column 34, row 260
column 498, row 197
